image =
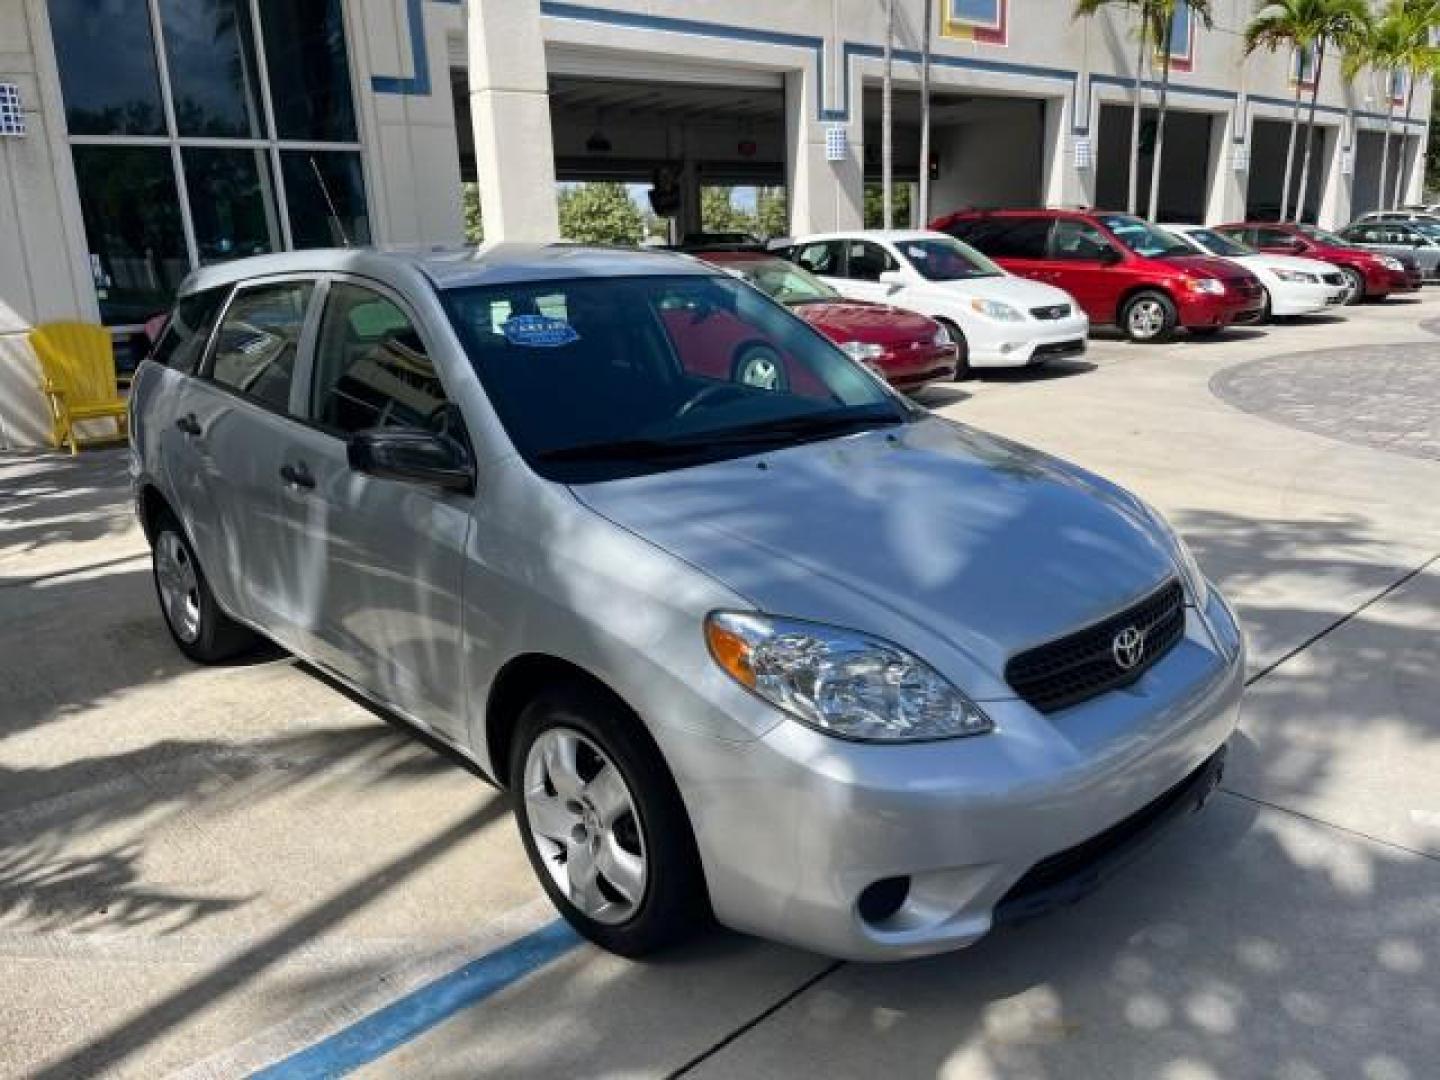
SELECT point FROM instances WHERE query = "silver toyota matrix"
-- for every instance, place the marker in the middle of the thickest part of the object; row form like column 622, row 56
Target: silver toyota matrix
column 787, row 651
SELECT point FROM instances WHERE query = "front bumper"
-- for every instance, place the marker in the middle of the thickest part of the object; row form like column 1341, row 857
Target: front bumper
column 1206, row 309
column 795, row 826
column 1298, row 298
column 1032, row 341
column 907, row 367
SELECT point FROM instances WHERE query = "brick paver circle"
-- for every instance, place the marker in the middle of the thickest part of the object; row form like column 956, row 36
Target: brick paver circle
column 1386, row 397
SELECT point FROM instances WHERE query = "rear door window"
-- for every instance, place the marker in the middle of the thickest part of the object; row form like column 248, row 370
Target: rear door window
column 1014, row 238
column 182, row 342
column 866, row 260
column 258, row 341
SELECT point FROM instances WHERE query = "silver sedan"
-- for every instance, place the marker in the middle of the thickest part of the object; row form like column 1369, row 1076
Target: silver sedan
column 799, row 655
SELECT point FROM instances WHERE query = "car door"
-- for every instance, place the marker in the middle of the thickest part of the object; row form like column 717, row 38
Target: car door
column 1279, row 241
column 239, row 420
column 865, row 261
column 1085, row 262
column 823, row 258
column 376, row 566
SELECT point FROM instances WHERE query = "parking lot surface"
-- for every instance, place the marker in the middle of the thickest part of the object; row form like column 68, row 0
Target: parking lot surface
column 209, row 872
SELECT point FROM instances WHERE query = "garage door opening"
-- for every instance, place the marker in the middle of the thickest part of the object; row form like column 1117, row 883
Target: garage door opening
column 986, row 151
column 1366, row 194
column 713, row 155
column 1268, row 142
column 1186, row 165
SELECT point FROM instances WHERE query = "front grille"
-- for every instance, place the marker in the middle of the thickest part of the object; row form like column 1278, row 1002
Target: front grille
column 1083, row 665
column 1054, row 311
column 1054, row 350
column 1333, row 279
column 1246, row 287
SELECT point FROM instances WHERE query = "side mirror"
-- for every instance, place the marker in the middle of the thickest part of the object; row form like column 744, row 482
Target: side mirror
column 412, row 455
column 894, row 278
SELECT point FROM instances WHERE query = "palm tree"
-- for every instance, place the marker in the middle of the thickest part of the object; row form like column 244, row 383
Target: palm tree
column 1304, row 25
column 1157, row 20
column 1417, row 58
column 1380, row 46
column 887, row 121
column 1088, row 8
column 923, row 217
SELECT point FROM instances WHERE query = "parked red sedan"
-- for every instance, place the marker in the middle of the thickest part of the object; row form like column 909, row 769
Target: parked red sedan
column 1368, row 274
column 1122, row 269
column 908, row 349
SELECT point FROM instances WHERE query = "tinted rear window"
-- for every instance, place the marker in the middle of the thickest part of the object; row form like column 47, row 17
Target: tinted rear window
column 1010, row 238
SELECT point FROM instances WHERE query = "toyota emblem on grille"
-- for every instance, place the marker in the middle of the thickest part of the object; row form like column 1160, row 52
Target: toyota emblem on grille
column 1128, row 648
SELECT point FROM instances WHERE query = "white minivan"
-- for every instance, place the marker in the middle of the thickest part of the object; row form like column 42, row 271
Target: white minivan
column 998, row 319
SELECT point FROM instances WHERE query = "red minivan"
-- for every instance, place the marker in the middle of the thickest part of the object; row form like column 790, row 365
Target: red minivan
column 1369, row 275
column 1123, row 270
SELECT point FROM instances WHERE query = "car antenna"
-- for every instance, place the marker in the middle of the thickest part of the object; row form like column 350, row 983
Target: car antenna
column 334, row 217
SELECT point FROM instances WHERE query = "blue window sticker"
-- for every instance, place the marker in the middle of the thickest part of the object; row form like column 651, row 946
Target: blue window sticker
column 538, row 331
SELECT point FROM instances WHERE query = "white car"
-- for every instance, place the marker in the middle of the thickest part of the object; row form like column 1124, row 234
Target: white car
column 998, row 320
column 1293, row 286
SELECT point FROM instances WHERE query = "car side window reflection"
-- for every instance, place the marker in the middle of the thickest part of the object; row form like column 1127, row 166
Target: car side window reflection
column 255, row 348
column 372, row 370
column 820, row 258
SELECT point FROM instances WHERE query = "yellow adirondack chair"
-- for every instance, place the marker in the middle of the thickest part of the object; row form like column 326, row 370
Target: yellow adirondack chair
column 77, row 365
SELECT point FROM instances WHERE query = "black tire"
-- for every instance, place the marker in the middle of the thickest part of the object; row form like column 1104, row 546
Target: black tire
column 1267, row 312
column 215, row 636
column 753, row 358
column 963, row 370
column 1148, row 317
column 674, row 903
column 1356, row 282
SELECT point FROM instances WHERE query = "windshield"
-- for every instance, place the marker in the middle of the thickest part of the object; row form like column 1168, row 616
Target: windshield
column 1143, row 238
column 781, row 280
column 600, row 378
column 1428, row 229
column 1320, row 236
column 1216, row 244
column 943, row 258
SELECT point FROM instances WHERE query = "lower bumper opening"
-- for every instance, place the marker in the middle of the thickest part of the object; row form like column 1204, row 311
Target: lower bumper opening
column 1068, row 875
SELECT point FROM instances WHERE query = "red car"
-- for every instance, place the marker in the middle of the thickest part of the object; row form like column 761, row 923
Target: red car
column 1123, row 270
column 909, row 350
column 1368, row 274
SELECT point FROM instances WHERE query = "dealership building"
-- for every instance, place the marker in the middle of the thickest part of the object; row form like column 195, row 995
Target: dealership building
column 142, row 138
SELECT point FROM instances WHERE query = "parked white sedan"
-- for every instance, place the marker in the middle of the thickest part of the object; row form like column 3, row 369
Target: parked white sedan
column 1293, row 286
column 997, row 319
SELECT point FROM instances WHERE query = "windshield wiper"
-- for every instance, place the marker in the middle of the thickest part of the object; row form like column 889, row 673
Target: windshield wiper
column 804, row 424
column 623, row 450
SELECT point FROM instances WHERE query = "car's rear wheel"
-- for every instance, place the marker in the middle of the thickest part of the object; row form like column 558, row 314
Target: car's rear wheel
column 200, row 628
column 963, row 370
column 1354, row 284
column 1148, row 316
column 603, row 824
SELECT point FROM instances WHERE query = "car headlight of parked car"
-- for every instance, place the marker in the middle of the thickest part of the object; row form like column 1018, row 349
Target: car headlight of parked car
column 993, row 309
column 1196, row 587
column 1213, row 286
column 859, row 350
column 841, row 682
column 942, row 338
column 1391, row 263
column 1298, row 277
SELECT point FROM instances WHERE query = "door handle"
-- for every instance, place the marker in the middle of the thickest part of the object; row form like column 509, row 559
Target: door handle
column 188, row 424
column 297, row 475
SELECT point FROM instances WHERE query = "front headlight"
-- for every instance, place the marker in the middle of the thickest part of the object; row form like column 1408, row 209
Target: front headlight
column 993, row 309
column 1391, row 263
column 1196, row 587
column 841, row 682
column 859, row 350
column 1297, row 277
column 1213, row 286
column 942, row 338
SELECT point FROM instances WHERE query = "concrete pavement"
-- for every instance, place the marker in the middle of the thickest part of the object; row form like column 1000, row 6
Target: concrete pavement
column 209, row 870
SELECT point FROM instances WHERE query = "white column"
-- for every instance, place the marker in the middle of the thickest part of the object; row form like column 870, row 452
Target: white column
column 1334, row 209
column 510, row 106
column 823, row 194
column 1061, row 182
column 1225, row 196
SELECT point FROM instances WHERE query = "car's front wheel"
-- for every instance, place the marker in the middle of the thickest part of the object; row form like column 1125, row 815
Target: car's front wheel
column 1148, row 316
column 603, row 824
column 963, row 370
column 200, row 628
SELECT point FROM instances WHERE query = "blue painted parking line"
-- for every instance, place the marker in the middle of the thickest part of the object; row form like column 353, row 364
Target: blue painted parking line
column 417, row 1012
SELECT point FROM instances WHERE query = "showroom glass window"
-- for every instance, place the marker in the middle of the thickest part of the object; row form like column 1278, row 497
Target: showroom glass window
column 206, row 130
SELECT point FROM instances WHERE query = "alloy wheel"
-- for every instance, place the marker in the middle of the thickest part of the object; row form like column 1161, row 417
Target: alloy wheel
column 581, row 815
column 1146, row 318
column 179, row 586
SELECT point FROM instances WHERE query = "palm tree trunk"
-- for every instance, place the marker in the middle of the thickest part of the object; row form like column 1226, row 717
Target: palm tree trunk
column 1160, row 123
column 923, row 217
column 1404, row 142
column 887, row 196
column 1290, row 147
column 1137, row 108
column 1385, row 146
column 1310, row 132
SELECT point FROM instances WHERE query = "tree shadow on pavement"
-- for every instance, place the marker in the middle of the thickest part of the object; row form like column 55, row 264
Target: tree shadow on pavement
column 53, row 499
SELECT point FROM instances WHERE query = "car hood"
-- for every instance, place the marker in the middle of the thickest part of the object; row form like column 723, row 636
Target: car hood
column 960, row 546
column 1204, row 265
column 1286, row 262
column 1008, row 288
column 860, row 320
